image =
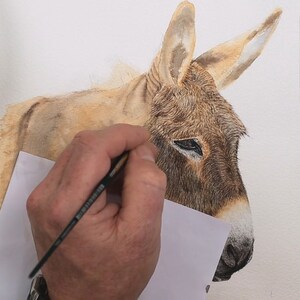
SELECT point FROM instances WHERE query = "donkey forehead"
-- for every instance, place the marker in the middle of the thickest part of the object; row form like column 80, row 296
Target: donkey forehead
column 196, row 110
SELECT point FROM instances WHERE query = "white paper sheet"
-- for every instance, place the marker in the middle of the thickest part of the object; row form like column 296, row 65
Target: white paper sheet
column 192, row 242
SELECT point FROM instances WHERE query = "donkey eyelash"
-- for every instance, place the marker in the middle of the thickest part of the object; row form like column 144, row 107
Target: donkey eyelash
column 189, row 147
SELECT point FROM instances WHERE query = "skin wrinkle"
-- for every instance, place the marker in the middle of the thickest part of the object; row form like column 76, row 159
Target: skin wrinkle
column 186, row 106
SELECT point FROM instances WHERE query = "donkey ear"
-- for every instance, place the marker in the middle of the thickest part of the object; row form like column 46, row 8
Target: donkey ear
column 178, row 46
column 226, row 62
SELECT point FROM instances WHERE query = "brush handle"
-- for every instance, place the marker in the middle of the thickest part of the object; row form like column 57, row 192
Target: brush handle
column 116, row 167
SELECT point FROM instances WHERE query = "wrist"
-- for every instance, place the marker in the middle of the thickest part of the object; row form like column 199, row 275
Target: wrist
column 67, row 287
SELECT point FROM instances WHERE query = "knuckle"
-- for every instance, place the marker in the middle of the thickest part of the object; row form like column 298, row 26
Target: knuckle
column 33, row 202
column 52, row 213
column 84, row 138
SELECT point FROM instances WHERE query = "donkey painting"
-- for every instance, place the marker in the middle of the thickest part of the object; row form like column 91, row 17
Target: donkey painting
column 178, row 100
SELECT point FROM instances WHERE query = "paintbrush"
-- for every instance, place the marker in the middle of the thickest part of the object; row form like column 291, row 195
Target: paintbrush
column 115, row 169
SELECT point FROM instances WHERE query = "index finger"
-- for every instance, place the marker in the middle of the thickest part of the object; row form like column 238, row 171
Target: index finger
column 111, row 142
column 89, row 160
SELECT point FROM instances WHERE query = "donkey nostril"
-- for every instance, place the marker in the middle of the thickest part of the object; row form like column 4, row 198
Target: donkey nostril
column 233, row 259
column 237, row 259
column 230, row 257
column 232, row 253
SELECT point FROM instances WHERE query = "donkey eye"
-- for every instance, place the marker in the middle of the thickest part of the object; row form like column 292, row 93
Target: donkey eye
column 191, row 146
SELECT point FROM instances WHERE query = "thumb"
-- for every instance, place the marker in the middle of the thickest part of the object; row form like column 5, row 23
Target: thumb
column 143, row 189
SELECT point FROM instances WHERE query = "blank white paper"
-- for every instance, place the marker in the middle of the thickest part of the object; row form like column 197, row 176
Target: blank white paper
column 191, row 246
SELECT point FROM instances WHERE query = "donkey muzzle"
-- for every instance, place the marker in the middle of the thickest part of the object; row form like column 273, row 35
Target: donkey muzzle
column 235, row 256
column 239, row 246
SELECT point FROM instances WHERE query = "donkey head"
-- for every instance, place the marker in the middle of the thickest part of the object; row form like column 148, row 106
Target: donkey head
column 197, row 131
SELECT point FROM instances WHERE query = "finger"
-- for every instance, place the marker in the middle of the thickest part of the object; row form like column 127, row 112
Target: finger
column 110, row 196
column 90, row 160
column 144, row 188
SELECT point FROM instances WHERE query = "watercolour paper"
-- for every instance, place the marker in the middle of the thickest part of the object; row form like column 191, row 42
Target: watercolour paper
column 192, row 242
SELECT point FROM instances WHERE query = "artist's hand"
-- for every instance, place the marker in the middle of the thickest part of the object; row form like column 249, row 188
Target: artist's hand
column 112, row 252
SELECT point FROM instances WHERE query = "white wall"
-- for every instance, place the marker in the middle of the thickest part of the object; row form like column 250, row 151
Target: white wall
column 58, row 46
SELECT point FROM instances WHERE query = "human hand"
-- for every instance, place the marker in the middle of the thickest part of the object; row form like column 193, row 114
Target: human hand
column 112, row 252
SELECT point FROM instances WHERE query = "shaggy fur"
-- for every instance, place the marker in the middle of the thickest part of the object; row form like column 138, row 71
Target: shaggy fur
column 178, row 100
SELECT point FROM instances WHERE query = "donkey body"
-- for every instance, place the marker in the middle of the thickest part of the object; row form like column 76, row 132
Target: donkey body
column 178, row 100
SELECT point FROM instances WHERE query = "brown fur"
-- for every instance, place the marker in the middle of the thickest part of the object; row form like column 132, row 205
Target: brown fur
column 195, row 129
column 197, row 110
